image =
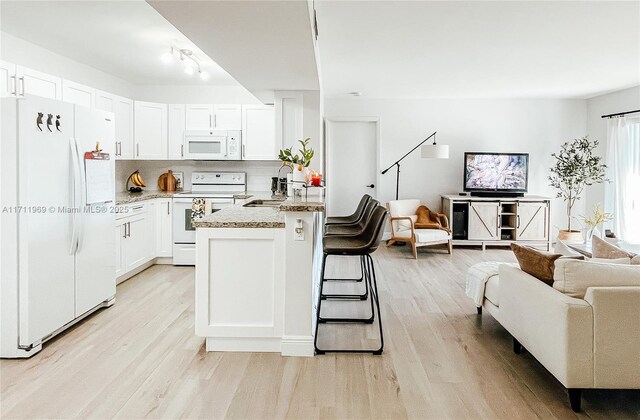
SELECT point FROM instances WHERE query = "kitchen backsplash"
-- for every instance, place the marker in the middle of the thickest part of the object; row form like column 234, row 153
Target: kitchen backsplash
column 259, row 173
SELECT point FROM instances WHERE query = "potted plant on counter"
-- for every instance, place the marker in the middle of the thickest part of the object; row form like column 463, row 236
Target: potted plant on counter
column 575, row 168
column 300, row 161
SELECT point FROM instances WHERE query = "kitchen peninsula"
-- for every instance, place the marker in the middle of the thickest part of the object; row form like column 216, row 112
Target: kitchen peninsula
column 257, row 271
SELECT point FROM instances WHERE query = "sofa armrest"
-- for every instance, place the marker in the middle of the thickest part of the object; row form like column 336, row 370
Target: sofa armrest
column 397, row 218
column 556, row 329
column 616, row 329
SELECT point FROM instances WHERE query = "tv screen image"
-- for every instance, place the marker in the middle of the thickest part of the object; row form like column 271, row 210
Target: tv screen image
column 496, row 171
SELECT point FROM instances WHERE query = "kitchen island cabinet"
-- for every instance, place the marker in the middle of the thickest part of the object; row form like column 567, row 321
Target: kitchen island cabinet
column 257, row 274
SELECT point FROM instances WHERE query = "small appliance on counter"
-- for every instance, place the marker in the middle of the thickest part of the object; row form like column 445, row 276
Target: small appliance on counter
column 136, row 180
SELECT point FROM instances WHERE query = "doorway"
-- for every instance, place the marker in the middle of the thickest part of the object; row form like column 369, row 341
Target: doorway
column 352, row 162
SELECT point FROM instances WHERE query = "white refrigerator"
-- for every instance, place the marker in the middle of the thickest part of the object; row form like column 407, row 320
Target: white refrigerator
column 57, row 248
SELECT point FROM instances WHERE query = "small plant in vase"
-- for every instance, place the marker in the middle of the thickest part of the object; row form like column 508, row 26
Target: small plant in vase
column 597, row 218
column 300, row 161
column 576, row 167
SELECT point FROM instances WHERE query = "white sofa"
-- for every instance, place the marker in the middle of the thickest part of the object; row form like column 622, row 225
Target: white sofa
column 590, row 342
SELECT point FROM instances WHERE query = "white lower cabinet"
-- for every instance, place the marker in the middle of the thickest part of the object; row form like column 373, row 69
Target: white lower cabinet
column 164, row 229
column 143, row 232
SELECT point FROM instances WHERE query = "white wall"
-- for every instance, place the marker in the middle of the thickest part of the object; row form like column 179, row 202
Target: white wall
column 612, row 103
column 537, row 127
column 190, row 94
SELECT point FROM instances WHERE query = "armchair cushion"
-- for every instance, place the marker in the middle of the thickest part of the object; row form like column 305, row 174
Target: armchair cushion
column 406, row 208
column 426, row 235
column 573, row 278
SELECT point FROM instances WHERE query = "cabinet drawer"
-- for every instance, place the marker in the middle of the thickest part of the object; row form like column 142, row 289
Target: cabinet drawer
column 132, row 209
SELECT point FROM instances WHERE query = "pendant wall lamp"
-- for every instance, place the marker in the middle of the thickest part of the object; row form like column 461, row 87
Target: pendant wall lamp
column 189, row 62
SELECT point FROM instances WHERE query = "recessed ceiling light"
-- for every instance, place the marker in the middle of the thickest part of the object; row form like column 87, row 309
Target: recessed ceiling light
column 204, row 75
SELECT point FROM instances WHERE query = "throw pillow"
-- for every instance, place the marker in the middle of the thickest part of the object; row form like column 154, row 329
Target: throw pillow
column 603, row 249
column 636, row 260
column 562, row 249
column 573, row 278
column 538, row 264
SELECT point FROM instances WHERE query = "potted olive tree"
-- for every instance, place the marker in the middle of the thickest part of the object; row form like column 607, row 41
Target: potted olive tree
column 576, row 167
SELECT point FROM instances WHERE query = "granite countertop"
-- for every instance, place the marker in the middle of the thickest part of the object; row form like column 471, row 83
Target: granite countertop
column 237, row 216
column 126, row 197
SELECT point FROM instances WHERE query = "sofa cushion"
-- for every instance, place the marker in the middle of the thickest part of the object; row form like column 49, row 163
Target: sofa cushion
column 492, row 289
column 538, row 264
column 573, row 278
column 603, row 249
column 623, row 260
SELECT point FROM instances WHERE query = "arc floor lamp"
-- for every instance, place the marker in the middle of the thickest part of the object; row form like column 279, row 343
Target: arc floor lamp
column 429, row 151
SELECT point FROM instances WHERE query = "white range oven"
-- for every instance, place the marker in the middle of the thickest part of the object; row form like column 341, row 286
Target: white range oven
column 211, row 192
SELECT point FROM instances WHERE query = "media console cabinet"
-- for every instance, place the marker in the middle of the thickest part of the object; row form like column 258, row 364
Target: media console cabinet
column 498, row 221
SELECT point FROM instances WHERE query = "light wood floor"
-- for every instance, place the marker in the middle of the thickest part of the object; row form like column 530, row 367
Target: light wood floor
column 141, row 358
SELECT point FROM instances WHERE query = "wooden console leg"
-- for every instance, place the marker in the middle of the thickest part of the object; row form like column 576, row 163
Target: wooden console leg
column 575, row 399
column 479, row 309
column 517, row 347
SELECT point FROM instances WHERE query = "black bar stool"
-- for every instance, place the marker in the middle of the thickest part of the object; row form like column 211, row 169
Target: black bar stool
column 352, row 218
column 363, row 244
column 350, row 230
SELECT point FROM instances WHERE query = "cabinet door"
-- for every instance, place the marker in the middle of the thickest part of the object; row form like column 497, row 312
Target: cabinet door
column 7, row 79
column 227, row 117
column 289, row 109
column 120, row 237
column 138, row 242
column 199, row 117
column 122, row 109
column 176, row 132
column 33, row 82
column 78, row 94
column 164, row 239
column 483, row 221
column 532, row 221
column 150, row 128
column 258, row 133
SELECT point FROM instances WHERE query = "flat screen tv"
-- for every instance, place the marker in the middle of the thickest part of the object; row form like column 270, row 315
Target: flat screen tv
column 496, row 174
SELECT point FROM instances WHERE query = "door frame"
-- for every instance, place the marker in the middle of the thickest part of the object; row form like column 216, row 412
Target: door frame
column 326, row 149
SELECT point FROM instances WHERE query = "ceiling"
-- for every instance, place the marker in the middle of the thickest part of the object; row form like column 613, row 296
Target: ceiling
column 123, row 38
column 266, row 45
column 429, row 49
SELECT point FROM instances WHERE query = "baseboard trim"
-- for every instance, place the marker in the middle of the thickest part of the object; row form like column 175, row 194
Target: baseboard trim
column 297, row 346
column 244, row 344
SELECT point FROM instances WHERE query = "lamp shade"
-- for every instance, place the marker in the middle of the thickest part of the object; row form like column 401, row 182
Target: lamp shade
column 435, row 151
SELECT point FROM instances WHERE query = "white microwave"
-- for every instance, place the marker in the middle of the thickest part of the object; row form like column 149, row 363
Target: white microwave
column 212, row 145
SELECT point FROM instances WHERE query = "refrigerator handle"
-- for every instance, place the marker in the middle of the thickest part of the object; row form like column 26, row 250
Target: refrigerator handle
column 76, row 188
column 81, row 196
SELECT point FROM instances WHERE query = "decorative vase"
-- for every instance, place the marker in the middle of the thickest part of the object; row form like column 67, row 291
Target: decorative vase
column 300, row 174
column 591, row 233
column 570, row 236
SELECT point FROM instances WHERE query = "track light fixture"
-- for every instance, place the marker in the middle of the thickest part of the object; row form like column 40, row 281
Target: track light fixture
column 190, row 63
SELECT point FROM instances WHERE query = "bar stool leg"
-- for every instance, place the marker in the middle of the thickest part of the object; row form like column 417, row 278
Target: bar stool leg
column 363, row 296
column 374, row 294
column 315, row 339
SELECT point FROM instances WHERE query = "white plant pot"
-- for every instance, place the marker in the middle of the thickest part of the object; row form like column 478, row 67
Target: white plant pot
column 300, row 176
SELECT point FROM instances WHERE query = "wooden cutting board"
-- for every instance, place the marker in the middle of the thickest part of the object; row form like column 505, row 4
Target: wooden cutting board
column 167, row 182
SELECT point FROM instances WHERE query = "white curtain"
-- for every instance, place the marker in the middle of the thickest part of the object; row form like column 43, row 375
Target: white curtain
column 622, row 194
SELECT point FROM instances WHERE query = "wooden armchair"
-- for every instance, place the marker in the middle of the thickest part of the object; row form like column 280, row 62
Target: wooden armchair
column 403, row 219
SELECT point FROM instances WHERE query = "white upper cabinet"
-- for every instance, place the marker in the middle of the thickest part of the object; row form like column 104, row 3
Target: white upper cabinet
column 33, row 82
column 8, row 80
column 176, row 131
column 122, row 109
column 258, row 133
column 150, row 130
column 227, row 117
column 289, row 119
column 78, row 94
column 199, row 117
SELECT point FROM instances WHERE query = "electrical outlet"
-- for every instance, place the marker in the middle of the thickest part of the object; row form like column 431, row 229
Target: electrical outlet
column 298, row 232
